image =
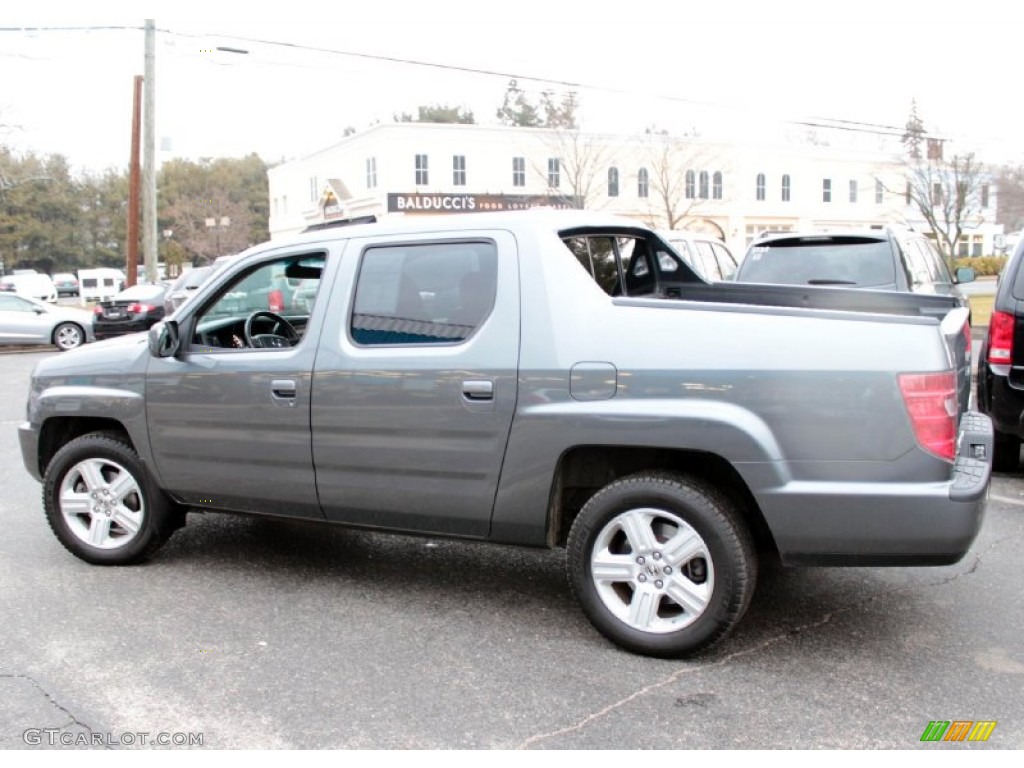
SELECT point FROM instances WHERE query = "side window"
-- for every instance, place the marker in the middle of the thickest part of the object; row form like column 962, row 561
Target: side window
column 918, row 266
column 936, row 263
column 597, row 256
column 709, row 267
column 9, row 303
column 726, row 263
column 266, row 307
column 636, row 263
column 424, row 293
column 666, row 262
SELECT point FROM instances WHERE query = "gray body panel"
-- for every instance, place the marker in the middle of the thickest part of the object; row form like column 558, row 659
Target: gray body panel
column 802, row 403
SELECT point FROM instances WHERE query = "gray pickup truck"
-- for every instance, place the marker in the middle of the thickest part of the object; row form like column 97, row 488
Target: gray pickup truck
column 543, row 378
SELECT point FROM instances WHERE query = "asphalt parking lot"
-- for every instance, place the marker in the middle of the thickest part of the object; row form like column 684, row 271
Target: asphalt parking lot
column 262, row 634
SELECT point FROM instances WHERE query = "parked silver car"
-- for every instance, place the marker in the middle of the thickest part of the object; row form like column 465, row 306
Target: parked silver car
column 27, row 321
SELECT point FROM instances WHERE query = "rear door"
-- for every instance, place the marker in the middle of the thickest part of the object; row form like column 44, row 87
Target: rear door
column 416, row 380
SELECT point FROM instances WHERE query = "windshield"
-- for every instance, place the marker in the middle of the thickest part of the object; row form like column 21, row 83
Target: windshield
column 863, row 262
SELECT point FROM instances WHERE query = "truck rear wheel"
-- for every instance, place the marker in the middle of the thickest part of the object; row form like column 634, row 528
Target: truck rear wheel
column 102, row 505
column 661, row 564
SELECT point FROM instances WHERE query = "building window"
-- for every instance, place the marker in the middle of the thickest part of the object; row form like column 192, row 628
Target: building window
column 275, row 206
column 826, row 190
column 760, row 186
column 853, row 190
column 716, row 185
column 907, row 194
column 314, row 190
column 879, row 190
column 691, row 185
column 284, row 205
column 785, row 188
column 459, row 170
column 554, row 173
column 518, row 171
column 984, row 195
column 371, row 172
column 643, row 187
column 613, row 182
column 422, row 170
column 703, row 185
column 936, row 193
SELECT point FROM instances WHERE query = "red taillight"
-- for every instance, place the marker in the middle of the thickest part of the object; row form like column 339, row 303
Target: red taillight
column 140, row 308
column 275, row 300
column 1000, row 338
column 932, row 404
column 967, row 339
column 97, row 310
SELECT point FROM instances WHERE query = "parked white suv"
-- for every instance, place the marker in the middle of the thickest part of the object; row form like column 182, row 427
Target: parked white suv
column 33, row 285
column 708, row 256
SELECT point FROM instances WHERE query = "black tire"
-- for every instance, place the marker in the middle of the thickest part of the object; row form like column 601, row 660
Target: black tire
column 68, row 336
column 103, row 506
column 1005, row 452
column 684, row 608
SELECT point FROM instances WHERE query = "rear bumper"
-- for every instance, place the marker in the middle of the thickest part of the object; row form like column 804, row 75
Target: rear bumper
column 112, row 330
column 901, row 523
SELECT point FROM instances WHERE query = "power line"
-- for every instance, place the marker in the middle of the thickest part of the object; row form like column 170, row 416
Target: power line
column 851, row 126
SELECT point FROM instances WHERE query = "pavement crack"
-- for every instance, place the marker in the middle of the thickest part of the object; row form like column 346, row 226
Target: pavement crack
column 672, row 678
column 767, row 643
column 72, row 720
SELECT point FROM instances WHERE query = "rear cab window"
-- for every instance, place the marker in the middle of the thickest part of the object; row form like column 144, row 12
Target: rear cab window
column 630, row 264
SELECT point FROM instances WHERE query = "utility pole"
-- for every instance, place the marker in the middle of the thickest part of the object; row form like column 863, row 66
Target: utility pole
column 132, row 267
column 149, row 156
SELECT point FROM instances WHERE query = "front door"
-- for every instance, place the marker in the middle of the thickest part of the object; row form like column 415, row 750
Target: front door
column 229, row 416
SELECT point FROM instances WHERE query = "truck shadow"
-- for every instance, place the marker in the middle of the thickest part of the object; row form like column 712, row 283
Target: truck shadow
column 526, row 587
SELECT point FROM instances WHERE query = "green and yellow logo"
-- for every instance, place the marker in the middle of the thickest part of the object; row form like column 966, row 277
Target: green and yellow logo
column 958, row 730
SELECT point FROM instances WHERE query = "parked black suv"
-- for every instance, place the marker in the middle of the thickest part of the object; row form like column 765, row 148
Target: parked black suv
column 1001, row 365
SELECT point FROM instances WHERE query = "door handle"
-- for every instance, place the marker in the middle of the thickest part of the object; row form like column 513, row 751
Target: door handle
column 283, row 389
column 477, row 390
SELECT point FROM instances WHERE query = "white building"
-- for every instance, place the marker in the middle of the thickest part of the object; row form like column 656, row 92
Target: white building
column 735, row 191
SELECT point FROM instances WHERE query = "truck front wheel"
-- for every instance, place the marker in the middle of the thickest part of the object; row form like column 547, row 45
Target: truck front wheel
column 102, row 505
column 661, row 564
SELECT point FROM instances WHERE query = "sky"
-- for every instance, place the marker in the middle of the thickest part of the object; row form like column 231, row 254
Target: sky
column 735, row 70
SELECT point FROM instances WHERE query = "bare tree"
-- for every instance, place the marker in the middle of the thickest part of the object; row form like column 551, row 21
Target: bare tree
column 948, row 194
column 583, row 164
column 671, row 198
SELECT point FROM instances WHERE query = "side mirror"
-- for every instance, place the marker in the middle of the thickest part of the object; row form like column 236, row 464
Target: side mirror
column 164, row 340
column 965, row 275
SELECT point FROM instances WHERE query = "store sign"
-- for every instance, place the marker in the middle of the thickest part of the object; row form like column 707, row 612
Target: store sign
column 418, row 202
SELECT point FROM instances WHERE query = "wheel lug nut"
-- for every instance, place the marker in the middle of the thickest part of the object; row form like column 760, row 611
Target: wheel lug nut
column 640, row 561
column 668, row 569
column 659, row 584
column 657, row 555
column 642, row 578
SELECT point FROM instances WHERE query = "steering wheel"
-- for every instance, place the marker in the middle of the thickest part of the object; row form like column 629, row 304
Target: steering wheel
column 284, row 334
